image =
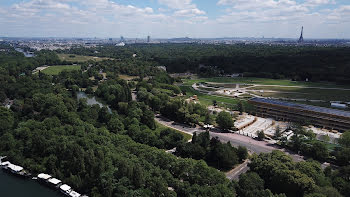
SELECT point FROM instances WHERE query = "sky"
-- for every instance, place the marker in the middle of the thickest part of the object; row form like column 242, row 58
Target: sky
column 175, row 18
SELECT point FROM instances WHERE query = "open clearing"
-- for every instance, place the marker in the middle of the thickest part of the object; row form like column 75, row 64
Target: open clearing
column 128, row 77
column 55, row 70
column 272, row 88
column 79, row 58
column 208, row 99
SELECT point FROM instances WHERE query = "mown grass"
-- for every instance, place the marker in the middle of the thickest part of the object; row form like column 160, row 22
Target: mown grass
column 208, row 99
column 55, row 70
column 307, row 93
column 79, row 58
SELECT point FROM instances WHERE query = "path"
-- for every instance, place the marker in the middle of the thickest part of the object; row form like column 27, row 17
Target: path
column 237, row 171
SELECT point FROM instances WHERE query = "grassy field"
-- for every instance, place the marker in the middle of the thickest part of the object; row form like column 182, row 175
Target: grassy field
column 208, row 99
column 306, row 93
column 128, row 77
column 161, row 127
column 262, row 81
column 55, row 70
column 79, row 58
column 305, row 90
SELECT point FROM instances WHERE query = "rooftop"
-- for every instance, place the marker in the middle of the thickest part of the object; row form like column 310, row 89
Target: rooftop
column 304, row 107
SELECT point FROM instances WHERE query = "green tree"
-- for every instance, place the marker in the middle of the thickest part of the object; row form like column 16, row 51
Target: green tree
column 242, row 153
column 6, row 119
column 240, row 107
column 115, row 125
column 345, row 139
column 319, row 151
column 225, row 120
column 278, row 132
column 261, row 135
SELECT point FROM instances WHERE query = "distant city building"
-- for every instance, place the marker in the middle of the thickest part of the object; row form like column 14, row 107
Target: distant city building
column 293, row 112
column 121, row 44
column 301, row 39
column 122, row 39
column 148, row 39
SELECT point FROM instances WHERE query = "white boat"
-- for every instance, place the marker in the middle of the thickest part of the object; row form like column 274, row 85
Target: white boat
column 65, row 189
column 43, row 176
column 74, row 194
column 53, row 182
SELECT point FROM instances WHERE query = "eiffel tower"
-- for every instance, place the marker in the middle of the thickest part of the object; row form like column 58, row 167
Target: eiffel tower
column 301, row 39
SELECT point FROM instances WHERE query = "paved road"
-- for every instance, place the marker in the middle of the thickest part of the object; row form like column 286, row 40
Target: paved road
column 234, row 173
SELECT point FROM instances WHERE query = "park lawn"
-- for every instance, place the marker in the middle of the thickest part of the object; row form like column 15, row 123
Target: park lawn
column 55, row 70
column 206, row 99
column 128, row 77
column 161, row 127
column 79, row 58
column 305, row 93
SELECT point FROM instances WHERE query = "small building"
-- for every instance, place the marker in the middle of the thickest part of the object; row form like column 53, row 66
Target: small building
column 121, row 44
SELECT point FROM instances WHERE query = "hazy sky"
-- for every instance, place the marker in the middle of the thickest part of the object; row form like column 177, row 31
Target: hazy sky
column 175, row 18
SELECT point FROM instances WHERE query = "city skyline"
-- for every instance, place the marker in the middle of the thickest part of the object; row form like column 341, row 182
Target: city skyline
column 175, row 18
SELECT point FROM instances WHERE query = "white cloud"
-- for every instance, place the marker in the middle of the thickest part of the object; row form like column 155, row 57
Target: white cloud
column 178, row 4
column 189, row 12
column 176, row 18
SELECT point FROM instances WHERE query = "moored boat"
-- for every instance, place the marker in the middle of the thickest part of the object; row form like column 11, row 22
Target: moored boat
column 65, row 189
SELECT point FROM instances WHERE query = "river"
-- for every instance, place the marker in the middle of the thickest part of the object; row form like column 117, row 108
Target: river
column 92, row 100
column 25, row 53
column 12, row 186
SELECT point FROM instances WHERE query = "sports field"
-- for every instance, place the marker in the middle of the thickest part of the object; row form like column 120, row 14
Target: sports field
column 79, row 58
column 55, row 70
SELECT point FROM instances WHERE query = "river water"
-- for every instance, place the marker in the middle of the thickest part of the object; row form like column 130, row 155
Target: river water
column 25, row 53
column 92, row 100
column 12, row 186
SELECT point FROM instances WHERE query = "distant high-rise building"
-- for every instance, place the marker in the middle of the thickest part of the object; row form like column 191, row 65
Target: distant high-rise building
column 121, row 39
column 110, row 39
column 148, row 39
column 301, row 39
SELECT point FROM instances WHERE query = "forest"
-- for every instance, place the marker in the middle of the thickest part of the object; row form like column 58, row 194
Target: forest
column 293, row 62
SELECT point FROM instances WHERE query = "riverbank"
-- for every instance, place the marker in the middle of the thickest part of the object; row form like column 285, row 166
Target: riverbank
column 12, row 186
